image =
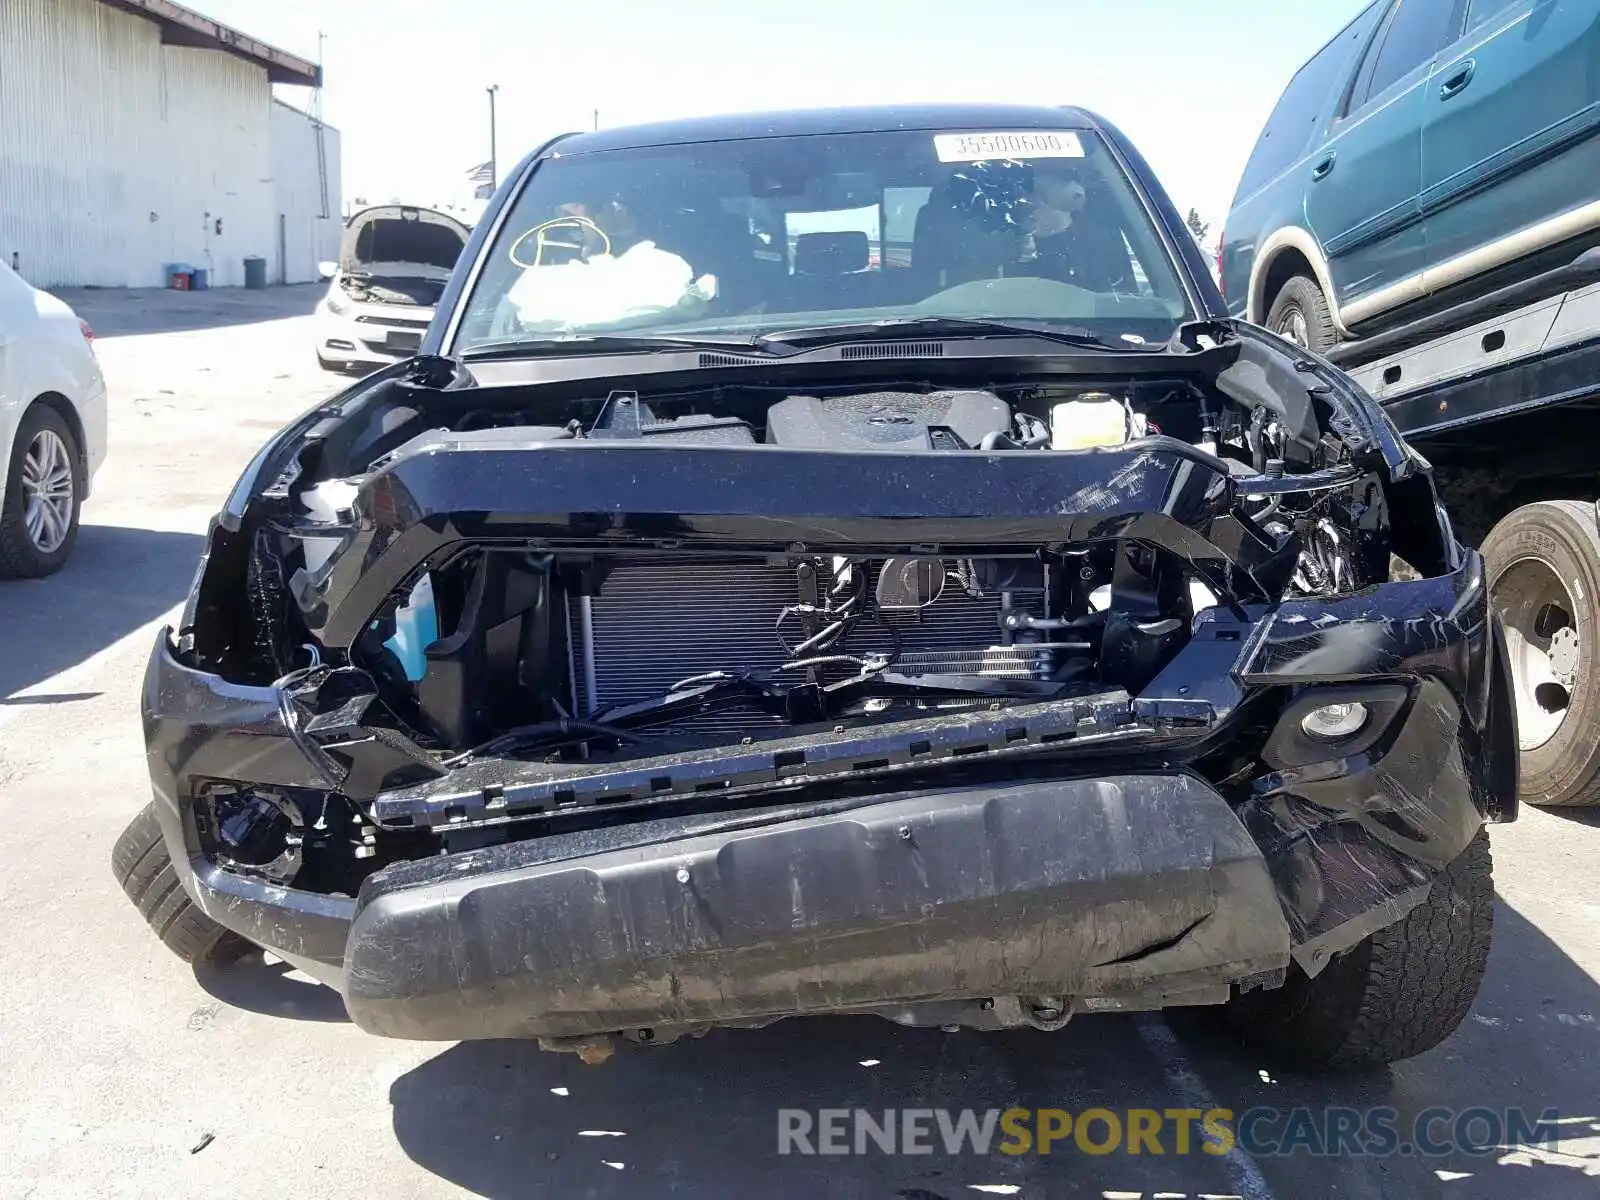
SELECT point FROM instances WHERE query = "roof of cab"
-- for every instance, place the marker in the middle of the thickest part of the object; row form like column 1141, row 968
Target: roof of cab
column 824, row 121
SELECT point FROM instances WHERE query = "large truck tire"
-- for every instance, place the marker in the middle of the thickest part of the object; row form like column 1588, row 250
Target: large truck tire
column 144, row 869
column 1543, row 562
column 1401, row 991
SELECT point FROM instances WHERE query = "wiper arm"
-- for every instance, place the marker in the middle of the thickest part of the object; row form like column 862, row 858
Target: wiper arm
column 1067, row 335
column 605, row 343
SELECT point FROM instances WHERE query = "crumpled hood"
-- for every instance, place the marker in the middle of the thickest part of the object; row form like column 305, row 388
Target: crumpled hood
column 542, row 488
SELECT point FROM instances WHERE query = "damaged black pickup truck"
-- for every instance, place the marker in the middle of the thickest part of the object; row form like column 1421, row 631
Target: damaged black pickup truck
column 838, row 562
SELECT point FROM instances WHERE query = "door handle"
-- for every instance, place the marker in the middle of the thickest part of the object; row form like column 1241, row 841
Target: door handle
column 1458, row 80
column 1320, row 171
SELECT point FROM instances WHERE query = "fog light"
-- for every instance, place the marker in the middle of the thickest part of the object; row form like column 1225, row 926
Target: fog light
column 1334, row 722
column 251, row 832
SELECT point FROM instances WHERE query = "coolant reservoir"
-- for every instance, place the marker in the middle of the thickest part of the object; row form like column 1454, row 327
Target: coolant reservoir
column 416, row 627
column 1093, row 419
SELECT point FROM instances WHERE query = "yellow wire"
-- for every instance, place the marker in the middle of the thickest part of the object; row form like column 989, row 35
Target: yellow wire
column 538, row 231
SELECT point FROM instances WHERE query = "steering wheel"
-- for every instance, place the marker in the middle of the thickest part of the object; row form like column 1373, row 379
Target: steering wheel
column 541, row 241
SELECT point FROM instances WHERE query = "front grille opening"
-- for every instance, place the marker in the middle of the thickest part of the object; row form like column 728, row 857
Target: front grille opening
column 655, row 624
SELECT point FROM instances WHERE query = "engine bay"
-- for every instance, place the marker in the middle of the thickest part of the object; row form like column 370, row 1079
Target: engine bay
column 907, row 418
column 480, row 606
column 518, row 649
column 570, row 570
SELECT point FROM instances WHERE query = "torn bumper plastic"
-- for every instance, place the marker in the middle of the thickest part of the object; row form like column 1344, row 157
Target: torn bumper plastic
column 1132, row 892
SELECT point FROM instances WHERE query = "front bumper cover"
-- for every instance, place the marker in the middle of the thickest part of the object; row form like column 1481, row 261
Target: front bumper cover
column 1139, row 890
column 1143, row 887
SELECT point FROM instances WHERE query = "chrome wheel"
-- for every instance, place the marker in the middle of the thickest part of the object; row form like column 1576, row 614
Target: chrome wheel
column 47, row 492
column 1544, row 647
column 1292, row 325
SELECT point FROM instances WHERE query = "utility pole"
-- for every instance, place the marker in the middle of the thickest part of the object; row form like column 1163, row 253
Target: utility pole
column 494, row 167
column 317, row 127
column 597, row 118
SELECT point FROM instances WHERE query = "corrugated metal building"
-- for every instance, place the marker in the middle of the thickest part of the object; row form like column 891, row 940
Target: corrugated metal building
column 137, row 133
column 305, row 188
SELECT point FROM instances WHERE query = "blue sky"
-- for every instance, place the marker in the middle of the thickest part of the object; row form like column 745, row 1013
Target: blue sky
column 1190, row 83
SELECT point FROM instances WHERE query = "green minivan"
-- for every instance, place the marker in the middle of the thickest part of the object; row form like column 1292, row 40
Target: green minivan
column 1431, row 149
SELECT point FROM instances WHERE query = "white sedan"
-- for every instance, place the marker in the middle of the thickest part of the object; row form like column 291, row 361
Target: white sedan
column 393, row 265
column 52, row 427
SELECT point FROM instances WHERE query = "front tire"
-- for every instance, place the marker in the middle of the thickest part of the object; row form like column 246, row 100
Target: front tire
column 1543, row 565
column 1401, row 991
column 1300, row 313
column 44, row 492
column 144, row 869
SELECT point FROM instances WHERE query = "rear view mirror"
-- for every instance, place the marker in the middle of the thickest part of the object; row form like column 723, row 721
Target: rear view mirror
column 327, row 270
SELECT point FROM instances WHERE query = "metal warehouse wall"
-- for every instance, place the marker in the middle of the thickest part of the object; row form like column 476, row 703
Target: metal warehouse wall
column 119, row 155
column 302, row 236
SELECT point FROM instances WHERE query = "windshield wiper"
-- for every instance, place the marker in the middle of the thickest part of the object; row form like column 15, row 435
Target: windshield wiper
column 607, row 343
column 817, row 335
column 785, row 342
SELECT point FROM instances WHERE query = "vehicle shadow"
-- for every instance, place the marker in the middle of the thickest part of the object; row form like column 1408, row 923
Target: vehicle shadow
column 1529, row 1044
column 116, row 312
column 274, row 989
column 116, row 580
column 1577, row 814
column 506, row 1119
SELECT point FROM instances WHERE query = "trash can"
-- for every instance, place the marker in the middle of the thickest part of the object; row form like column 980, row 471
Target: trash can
column 199, row 279
column 179, row 276
column 255, row 272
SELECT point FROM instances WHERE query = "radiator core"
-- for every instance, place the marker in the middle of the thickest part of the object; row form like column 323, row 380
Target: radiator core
column 655, row 625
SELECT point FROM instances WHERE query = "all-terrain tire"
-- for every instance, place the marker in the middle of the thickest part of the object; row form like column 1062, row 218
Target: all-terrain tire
column 1401, row 991
column 144, row 869
column 1564, row 536
column 19, row 557
column 1300, row 313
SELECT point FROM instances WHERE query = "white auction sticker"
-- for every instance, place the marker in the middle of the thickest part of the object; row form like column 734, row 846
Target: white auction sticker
column 974, row 147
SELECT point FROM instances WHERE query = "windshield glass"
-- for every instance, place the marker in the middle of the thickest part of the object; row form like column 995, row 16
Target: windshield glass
column 745, row 237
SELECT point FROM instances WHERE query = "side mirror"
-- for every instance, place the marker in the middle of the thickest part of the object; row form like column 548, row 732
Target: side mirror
column 327, row 270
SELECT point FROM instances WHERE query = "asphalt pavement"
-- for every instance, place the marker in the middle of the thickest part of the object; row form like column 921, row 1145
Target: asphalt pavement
column 125, row 1073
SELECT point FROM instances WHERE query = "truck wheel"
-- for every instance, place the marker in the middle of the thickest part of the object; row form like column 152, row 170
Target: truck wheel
column 1401, row 991
column 145, row 871
column 1543, row 563
column 1300, row 313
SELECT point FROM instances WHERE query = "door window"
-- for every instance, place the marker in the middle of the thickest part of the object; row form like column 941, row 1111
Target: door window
column 1416, row 30
column 1293, row 122
column 1479, row 11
